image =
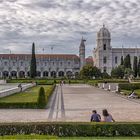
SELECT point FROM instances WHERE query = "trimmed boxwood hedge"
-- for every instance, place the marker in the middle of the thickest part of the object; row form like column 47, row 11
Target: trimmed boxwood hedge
column 129, row 86
column 32, row 105
column 69, row 129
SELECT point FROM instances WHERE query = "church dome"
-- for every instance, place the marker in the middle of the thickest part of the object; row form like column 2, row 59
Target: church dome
column 103, row 33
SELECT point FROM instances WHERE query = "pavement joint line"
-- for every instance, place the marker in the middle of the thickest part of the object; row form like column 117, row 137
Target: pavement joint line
column 52, row 107
column 62, row 105
column 57, row 109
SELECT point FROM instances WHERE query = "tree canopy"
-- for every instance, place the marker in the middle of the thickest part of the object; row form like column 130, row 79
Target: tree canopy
column 89, row 71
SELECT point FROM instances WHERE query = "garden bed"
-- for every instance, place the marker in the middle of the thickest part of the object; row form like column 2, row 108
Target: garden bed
column 26, row 99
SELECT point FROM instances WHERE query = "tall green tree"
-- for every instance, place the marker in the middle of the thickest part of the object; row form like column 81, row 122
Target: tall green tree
column 139, row 67
column 122, row 62
column 135, row 66
column 33, row 63
column 127, row 62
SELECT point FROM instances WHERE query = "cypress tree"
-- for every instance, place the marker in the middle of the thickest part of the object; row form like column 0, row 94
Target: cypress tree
column 41, row 98
column 127, row 62
column 33, row 63
column 135, row 66
column 139, row 68
column 122, row 60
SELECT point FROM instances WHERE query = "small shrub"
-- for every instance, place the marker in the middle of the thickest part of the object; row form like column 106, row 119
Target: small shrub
column 41, row 98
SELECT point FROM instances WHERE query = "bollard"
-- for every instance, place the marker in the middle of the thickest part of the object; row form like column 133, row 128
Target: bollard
column 117, row 89
column 103, row 86
column 109, row 87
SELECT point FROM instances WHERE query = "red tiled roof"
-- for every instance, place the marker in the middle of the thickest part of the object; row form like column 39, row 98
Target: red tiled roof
column 62, row 56
column 89, row 59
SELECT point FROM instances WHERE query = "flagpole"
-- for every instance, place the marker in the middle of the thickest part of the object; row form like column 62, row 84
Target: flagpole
column 51, row 49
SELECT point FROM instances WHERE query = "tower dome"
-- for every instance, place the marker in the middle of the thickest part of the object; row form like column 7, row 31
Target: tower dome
column 103, row 33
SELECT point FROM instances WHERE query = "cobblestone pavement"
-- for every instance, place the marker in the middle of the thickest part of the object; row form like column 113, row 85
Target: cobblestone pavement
column 75, row 103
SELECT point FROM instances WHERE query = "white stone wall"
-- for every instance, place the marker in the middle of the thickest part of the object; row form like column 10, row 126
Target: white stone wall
column 118, row 52
column 43, row 65
column 14, row 90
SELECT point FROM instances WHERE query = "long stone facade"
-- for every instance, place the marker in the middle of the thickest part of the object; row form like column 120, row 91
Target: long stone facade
column 48, row 65
column 53, row 65
column 107, row 57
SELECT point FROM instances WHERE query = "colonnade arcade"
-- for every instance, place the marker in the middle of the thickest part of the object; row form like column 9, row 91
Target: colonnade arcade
column 23, row 74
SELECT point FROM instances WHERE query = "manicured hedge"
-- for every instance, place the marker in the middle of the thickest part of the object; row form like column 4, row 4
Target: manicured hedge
column 71, row 129
column 129, row 86
column 19, row 105
column 32, row 105
column 113, row 81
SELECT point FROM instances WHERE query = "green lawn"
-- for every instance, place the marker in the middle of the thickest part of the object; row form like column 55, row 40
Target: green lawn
column 127, row 92
column 30, row 95
column 66, row 138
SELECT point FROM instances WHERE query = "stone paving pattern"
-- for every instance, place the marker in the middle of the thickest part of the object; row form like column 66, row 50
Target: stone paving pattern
column 75, row 103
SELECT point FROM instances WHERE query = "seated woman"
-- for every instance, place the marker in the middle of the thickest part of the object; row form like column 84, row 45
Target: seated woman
column 107, row 117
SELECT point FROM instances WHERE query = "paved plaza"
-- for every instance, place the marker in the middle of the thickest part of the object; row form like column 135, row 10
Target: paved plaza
column 75, row 103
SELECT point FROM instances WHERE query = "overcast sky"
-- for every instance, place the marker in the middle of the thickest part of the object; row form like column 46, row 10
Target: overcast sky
column 62, row 23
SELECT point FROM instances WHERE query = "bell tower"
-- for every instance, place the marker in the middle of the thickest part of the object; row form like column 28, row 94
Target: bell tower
column 103, row 51
column 82, row 53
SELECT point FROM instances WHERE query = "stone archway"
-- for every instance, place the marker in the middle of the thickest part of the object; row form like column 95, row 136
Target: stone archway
column 13, row 74
column 38, row 74
column 5, row 74
column 21, row 74
column 61, row 74
column 45, row 74
column 53, row 74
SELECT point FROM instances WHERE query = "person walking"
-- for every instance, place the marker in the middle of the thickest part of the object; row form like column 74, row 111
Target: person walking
column 95, row 117
column 107, row 117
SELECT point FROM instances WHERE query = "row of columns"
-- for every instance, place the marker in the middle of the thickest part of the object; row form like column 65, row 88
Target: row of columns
column 39, row 74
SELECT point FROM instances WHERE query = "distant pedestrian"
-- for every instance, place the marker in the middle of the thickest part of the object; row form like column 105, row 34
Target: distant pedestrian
column 95, row 117
column 62, row 82
column 20, row 86
column 107, row 117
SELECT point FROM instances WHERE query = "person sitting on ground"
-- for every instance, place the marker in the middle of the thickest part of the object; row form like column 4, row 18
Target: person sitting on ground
column 95, row 117
column 107, row 117
column 132, row 95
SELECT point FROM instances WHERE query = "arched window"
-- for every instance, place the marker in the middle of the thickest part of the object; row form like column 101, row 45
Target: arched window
column 116, row 59
column 61, row 74
column 53, row 74
column 104, row 60
column 5, row 74
column 45, row 74
column 104, row 46
column 22, row 74
column 14, row 74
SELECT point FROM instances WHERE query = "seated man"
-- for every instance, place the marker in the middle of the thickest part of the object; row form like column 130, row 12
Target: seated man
column 133, row 95
column 95, row 117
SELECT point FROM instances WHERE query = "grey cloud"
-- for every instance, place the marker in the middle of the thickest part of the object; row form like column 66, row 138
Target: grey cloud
column 62, row 23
